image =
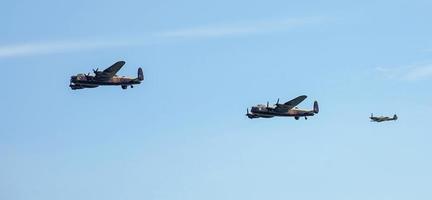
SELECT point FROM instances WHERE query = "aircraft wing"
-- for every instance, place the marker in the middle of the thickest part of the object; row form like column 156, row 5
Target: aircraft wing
column 112, row 71
column 290, row 104
column 293, row 103
column 378, row 119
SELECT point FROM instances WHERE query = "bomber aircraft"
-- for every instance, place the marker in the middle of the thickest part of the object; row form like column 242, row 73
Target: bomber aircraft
column 105, row 77
column 287, row 109
column 383, row 118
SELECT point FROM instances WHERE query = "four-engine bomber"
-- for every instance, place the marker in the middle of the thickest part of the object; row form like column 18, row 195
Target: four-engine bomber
column 287, row 109
column 106, row 77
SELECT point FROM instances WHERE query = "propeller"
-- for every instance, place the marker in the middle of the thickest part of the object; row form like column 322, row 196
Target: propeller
column 248, row 114
column 277, row 103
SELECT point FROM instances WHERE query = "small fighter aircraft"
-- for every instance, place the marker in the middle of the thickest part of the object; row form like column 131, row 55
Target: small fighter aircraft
column 287, row 109
column 383, row 118
column 105, row 77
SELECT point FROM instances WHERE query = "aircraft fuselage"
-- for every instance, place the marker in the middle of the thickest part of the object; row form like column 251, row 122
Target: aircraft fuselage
column 383, row 119
column 86, row 81
column 269, row 113
column 262, row 111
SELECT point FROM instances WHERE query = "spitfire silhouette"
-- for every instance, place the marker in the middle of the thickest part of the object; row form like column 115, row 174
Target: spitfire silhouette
column 383, row 118
column 105, row 77
column 287, row 109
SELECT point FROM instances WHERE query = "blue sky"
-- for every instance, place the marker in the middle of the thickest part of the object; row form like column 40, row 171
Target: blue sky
column 182, row 134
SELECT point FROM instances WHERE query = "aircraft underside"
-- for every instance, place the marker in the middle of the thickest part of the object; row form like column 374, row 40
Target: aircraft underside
column 82, row 85
column 270, row 115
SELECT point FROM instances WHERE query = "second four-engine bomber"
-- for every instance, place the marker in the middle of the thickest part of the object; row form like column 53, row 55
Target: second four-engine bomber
column 287, row 109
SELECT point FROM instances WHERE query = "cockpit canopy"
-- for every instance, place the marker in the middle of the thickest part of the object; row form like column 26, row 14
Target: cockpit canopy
column 81, row 77
column 259, row 107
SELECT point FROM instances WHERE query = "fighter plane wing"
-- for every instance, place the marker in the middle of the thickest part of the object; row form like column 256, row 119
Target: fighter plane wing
column 293, row 103
column 377, row 119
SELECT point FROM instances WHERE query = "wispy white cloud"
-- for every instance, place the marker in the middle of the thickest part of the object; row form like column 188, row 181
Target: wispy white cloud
column 419, row 73
column 212, row 31
column 36, row 48
column 408, row 73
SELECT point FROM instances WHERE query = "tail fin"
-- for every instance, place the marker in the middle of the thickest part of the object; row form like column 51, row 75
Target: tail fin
column 316, row 107
column 395, row 117
column 140, row 74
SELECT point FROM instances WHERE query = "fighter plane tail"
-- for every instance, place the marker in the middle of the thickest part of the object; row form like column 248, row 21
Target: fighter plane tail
column 395, row 117
column 140, row 74
column 316, row 107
